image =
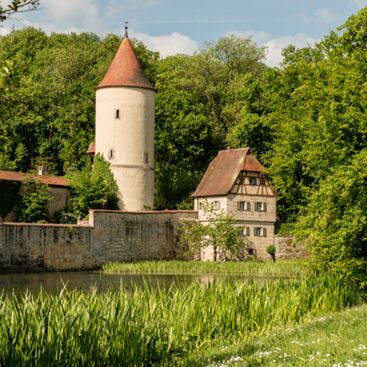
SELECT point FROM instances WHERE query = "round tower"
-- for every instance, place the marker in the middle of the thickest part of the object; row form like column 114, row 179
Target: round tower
column 125, row 102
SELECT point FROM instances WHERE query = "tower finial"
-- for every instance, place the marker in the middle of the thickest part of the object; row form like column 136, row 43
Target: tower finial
column 126, row 28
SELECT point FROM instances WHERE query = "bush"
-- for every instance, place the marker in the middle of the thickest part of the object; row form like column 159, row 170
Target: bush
column 93, row 188
column 271, row 251
column 32, row 205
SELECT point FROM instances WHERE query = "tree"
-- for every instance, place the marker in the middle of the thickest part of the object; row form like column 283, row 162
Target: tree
column 17, row 6
column 93, row 188
column 334, row 223
column 196, row 105
column 220, row 232
column 32, row 205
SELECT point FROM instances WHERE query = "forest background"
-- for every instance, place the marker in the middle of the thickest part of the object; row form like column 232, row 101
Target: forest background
column 305, row 120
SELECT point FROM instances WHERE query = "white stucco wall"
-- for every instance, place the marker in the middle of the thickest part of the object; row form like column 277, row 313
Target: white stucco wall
column 127, row 142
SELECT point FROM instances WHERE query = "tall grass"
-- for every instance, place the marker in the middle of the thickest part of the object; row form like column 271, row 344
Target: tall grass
column 266, row 268
column 147, row 326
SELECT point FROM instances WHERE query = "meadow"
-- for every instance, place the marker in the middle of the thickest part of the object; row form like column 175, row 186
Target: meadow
column 145, row 327
column 251, row 268
column 336, row 339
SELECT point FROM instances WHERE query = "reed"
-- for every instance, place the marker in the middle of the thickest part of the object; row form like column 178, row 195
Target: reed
column 265, row 268
column 148, row 326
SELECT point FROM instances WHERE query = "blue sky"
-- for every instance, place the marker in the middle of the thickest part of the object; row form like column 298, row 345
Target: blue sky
column 183, row 26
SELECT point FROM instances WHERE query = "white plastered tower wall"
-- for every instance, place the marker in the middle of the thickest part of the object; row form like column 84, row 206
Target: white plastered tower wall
column 126, row 141
column 125, row 102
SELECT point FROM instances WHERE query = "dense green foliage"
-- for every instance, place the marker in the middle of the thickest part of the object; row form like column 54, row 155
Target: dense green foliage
column 145, row 327
column 334, row 225
column 32, row 205
column 47, row 100
column 93, row 188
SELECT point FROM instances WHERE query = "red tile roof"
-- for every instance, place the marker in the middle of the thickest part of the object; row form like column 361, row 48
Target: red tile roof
column 125, row 69
column 224, row 169
column 20, row 176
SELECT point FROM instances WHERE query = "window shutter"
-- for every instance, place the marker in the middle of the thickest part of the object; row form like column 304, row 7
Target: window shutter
column 264, row 232
column 264, row 207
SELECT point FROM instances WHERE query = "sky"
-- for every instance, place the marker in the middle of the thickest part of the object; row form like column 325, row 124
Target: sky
column 185, row 26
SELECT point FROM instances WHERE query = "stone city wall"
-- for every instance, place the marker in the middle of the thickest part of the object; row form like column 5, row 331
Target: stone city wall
column 109, row 236
column 287, row 248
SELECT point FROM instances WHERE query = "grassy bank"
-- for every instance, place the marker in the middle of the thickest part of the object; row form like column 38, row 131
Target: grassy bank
column 335, row 340
column 145, row 326
column 265, row 268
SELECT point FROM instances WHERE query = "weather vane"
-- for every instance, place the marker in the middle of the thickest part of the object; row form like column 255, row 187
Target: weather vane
column 126, row 27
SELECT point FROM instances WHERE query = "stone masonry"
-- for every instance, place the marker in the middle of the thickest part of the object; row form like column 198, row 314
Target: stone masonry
column 108, row 236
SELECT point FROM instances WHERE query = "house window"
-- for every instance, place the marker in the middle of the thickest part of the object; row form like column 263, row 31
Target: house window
column 244, row 206
column 252, row 180
column 117, row 114
column 260, row 207
column 110, row 154
column 260, row 232
column 215, row 205
column 246, row 231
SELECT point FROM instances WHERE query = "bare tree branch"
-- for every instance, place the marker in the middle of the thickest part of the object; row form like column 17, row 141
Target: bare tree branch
column 17, row 6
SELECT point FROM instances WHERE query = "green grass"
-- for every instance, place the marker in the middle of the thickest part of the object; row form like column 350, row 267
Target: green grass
column 152, row 326
column 338, row 340
column 253, row 268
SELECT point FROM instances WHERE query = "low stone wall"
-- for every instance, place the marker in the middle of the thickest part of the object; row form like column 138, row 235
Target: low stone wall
column 288, row 248
column 109, row 236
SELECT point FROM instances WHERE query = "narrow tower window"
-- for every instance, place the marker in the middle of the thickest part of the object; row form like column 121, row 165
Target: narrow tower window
column 146, row 158
column 117, row 115
column 110, row 154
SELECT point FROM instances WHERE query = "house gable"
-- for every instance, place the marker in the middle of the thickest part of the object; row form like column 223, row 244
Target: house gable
column 252, row 183
column 234, row 171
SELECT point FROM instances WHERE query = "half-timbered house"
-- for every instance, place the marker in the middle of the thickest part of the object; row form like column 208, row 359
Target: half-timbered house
column 237, row 183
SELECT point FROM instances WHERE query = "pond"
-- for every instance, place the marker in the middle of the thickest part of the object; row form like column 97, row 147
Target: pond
column 54, row 281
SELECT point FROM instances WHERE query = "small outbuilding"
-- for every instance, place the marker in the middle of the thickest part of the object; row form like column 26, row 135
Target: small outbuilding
column 12, row 185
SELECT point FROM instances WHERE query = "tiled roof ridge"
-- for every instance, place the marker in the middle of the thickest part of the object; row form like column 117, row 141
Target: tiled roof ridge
column 224, row 169
column 20, row 176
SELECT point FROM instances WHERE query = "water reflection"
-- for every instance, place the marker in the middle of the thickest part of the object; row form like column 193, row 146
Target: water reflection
column 85, row 281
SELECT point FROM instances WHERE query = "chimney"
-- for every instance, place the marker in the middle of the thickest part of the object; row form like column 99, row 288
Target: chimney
column 41, row 170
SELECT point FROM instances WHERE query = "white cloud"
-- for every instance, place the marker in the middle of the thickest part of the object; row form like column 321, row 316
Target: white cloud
column 166, row 45
column 276, row 45
column 145, row 3
column 322, row 15
column 67, row 14
column 358, row 3
column 325, row 15
column 5, row 29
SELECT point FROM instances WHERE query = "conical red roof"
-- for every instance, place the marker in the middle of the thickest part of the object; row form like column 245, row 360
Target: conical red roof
column 125, row 69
